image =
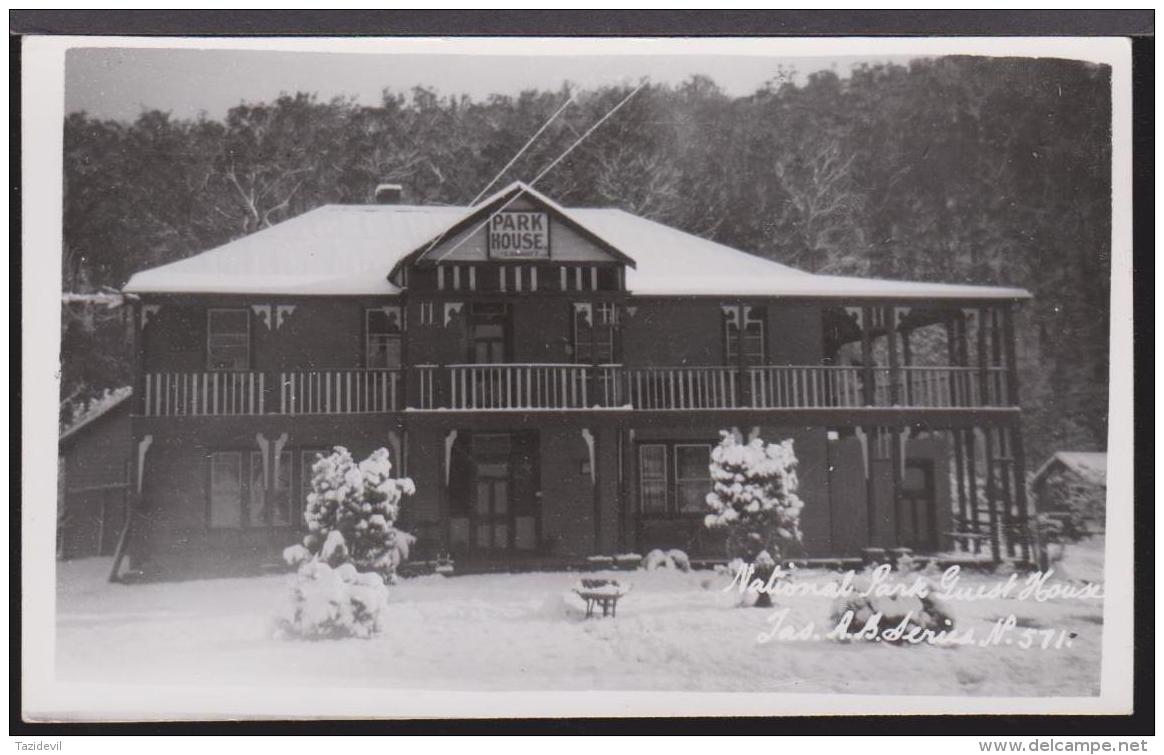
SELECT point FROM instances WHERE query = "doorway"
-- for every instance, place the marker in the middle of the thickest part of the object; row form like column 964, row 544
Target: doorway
column 918, row 506
column 489, row 333
column 491, row 491
column 496, row 500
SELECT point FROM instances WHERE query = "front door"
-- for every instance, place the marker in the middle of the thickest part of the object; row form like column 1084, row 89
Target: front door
column 918, row 506
column 491, row 490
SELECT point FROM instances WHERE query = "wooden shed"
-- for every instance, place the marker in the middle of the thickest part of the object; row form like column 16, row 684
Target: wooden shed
column 1073, row 481
column 93, row 485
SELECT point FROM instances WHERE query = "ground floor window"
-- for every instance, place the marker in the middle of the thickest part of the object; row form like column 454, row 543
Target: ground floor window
column 226, row 489
column 673, row 477
column 270, row 508
column 238, row 488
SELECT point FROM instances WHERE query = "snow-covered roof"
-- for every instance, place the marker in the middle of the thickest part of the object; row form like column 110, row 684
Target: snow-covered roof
column 96, row 410
column 334, row 249
column 1089, row 465
column 350, row 249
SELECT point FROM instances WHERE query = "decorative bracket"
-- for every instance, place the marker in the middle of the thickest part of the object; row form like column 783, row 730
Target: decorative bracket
column 450, row 439
column 452, row 307
column 282, row 312
column 279, row 443
column 732, row 313
column 586, row 310
column 903, row 438
column 971, row 315
column 863, row 439
column 394, row 441
column 264, row 446
column 148, row 311
column 901, row 314
column 857, row 315
column 263, row 312
column 631, row 309
column 143, row 445
column 589, row 438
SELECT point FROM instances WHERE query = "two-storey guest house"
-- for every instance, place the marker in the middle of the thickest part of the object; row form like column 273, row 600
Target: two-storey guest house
column 553, row 380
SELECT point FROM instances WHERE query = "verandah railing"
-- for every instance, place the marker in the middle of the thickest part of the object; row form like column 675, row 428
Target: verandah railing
column 681, row 387
column 493, row 387
column 531, row 386
column 167, row 394
column 339, row 391
column 346, row 391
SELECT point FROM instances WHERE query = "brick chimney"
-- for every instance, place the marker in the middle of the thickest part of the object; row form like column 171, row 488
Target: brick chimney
column 389, row 193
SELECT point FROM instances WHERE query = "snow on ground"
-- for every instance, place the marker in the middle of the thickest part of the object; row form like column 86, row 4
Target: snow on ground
column 674, row 631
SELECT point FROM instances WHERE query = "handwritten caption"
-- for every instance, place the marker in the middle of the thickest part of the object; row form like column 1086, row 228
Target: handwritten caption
column 1037, row 587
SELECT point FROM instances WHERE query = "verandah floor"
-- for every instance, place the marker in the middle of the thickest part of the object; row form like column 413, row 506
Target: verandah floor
column 674, row 631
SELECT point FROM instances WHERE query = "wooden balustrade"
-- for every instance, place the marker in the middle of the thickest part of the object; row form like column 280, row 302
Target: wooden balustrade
column 367, row 391
column 817, row 386
column 953, row 387
column 520, row 386
column 426, row 386
column 196, row 394
column 681, row 387
column 569, row 386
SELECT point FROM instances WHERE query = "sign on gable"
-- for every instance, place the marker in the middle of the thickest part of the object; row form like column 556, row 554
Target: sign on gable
column 519, row 235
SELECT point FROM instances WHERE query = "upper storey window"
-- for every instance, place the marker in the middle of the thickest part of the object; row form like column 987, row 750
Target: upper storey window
column 749, row 338
column 594, row 326
column 228, row 339
column 382, row 345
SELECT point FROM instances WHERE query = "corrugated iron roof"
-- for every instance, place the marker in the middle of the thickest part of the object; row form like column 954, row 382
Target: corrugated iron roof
column 350, row 249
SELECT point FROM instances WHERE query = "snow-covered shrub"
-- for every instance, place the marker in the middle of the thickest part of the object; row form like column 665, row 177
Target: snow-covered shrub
column 325, row 603
column 661, row 559
column 764, row 566
column 657, row 559
column 754, row 497
column 351, row 513
column 924, row 613
column 679, row 559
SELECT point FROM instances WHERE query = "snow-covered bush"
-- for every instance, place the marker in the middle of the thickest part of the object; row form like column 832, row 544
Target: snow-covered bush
column 327, row 603
column 679, row 559
column 753, row 497
column 656, row 559
column 351, row 514
column 918, row 613
column 672, row 559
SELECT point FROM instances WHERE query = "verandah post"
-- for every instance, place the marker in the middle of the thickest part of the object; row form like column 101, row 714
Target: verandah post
column 991, row 493
column 1029, row 539
column 867, row 355
column 890, row 315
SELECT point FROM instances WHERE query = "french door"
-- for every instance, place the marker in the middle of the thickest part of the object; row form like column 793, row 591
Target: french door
column 489, row 333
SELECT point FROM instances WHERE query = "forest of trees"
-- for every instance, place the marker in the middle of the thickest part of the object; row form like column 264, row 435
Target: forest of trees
column 955, row 169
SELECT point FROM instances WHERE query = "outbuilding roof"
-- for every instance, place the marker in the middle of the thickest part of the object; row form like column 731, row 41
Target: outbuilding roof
column 350, row 250
column 1091, row 466
column 104, row 407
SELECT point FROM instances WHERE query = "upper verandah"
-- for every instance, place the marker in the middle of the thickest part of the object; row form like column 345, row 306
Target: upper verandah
column 340, row 250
